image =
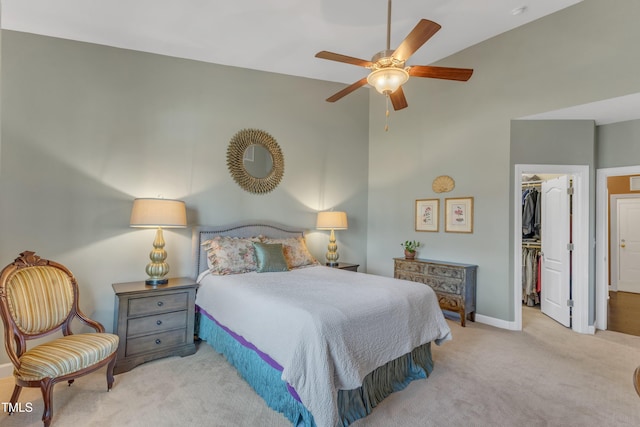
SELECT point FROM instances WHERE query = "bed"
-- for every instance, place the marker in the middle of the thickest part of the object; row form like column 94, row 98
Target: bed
column 321, row 345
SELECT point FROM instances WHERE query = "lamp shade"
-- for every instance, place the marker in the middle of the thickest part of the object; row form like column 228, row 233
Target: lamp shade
column 331, row 221
column 152, row 213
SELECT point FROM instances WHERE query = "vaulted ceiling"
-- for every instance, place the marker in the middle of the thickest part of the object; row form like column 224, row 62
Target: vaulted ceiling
column 280, row 36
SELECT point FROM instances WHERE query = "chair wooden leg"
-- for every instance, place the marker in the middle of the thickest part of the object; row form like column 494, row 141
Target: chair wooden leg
column 46, row 386
column 110, row 367
column 636, row 380
column 70, row 382
column 14, row 397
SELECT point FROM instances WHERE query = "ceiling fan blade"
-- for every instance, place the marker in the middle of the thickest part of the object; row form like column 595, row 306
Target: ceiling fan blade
column 446, row 73
column 343, row 58
column 398, row 99
column 416, row 38
column 347, row 90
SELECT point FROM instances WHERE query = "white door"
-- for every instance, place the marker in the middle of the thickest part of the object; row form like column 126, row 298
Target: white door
column 556, row 257
column 628, row 245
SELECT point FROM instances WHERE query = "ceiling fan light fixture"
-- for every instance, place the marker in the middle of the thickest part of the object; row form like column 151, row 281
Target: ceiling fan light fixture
column 387, row 80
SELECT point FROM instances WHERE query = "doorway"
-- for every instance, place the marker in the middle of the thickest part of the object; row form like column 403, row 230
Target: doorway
column 603, row 237
column 579, row 264
column 624, row 243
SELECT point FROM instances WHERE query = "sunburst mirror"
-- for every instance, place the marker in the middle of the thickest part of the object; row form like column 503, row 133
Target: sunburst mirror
column 255, row 161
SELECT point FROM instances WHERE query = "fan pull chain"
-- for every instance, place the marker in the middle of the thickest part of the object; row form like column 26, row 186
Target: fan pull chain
column 386, row 123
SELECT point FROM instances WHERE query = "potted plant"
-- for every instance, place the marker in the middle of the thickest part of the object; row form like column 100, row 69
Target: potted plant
column 410, row 247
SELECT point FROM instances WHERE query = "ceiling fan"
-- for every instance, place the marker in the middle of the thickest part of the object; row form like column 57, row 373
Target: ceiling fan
column 388, row 70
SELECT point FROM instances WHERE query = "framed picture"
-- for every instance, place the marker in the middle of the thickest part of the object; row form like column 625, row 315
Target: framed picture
column 427, row 218
column 458, row 215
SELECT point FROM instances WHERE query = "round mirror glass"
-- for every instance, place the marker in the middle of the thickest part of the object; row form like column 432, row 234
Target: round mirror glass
column 257, row 161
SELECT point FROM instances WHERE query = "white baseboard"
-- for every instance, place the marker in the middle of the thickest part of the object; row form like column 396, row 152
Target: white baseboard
column 6, row 370
column 505, row 324
column 498, row 323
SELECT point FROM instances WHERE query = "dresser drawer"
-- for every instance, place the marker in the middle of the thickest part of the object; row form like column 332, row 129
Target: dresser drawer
column 444, row 284
column 157, row 323
column 450, row 302
column 155, row 342
column 158, row 304
column 444, row 271
column 413, row 277
column 409, row 266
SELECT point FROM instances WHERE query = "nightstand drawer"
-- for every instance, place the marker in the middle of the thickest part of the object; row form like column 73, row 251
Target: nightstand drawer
column 158, row 304
column 155, row 342
column 157, row 323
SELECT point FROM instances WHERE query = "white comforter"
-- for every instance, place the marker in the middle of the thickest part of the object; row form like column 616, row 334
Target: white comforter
column 328, row 328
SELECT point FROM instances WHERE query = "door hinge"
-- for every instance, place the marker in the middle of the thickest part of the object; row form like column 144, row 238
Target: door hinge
column 569, row 246
column 570, row 191
column 569, row 303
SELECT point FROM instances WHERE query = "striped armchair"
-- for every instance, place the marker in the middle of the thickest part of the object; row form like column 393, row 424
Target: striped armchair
column 39, row 297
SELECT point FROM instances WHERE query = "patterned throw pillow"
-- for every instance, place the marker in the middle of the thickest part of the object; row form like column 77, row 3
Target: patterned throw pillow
column 230, row 255
column 295, row 251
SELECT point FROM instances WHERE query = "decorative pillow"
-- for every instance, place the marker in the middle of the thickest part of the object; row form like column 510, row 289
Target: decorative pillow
column 295, row 251
column 230, row 255
column 270, row 257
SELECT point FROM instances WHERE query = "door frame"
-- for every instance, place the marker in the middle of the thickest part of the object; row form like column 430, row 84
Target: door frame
column 602, row 239
column 580, row 237
column 613, row 211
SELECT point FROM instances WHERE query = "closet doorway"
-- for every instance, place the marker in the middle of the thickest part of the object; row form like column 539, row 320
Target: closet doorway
column 562, row 243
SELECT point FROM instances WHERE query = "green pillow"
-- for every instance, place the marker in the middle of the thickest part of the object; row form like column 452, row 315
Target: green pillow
column 270, row 257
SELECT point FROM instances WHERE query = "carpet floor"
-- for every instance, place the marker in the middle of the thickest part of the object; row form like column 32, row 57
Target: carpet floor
column 545, row 375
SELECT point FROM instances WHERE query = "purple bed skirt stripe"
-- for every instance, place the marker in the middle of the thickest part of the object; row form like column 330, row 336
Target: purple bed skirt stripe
column 264, row 356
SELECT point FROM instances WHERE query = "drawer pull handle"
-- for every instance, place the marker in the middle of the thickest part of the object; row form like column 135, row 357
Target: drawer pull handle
column 158, row 341
column 160, row 303
column 158, row 322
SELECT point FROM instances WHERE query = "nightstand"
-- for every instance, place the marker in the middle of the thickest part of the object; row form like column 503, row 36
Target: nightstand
column 153, row 322
column 346, row 266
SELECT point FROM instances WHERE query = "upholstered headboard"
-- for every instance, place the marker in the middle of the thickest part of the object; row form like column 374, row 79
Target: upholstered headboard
column 249, row 229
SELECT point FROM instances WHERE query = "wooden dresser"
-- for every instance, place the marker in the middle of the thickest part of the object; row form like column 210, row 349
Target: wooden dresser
column 153, row 322
column 454, row 283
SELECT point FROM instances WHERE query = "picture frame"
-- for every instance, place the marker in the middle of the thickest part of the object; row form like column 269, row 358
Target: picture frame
column 458, row 215
column 427, row 215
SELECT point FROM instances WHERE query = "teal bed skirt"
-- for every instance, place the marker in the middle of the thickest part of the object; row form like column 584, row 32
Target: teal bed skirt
column 264, row 375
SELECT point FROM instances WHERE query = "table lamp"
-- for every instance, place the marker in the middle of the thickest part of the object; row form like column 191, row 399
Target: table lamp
column 331, row 220
column 158, row 213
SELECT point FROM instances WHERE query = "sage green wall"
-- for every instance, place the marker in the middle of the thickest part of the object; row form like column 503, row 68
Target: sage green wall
column 618, row 144
column 463, row 130
column 87, row 128
column 557, row 142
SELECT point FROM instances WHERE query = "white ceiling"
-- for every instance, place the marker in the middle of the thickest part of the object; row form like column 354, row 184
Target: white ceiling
column 282, row 36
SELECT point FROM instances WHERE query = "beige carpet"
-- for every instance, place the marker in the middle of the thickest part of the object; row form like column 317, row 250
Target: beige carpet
column 544, row 376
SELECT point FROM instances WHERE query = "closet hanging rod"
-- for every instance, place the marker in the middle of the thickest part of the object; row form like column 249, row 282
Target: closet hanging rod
column 532, row 183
